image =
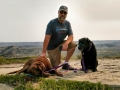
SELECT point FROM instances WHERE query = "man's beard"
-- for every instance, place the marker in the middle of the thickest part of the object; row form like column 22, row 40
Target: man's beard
column 61, row 18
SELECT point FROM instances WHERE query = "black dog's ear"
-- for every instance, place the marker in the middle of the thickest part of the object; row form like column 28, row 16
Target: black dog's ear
column 78, row 41
column 88, row 41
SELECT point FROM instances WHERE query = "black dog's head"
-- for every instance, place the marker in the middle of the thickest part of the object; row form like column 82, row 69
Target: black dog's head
column 84, row 43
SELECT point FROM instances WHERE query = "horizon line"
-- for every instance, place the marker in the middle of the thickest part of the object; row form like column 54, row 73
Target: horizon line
column 42, row 41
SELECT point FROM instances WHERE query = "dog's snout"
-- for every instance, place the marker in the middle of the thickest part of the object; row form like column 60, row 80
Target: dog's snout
column 79, row 47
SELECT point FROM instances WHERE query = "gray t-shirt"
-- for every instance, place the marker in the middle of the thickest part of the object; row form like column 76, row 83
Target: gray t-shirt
column 58, row 32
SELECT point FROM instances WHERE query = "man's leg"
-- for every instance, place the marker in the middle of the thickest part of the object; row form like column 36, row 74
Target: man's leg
column 70, row 51
column 69, row 54
column 54, row 56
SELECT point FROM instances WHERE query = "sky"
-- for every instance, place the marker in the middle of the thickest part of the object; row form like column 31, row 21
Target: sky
column 26, row 20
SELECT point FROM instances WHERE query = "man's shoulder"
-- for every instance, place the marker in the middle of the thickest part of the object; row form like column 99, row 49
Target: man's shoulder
column 54, row 20
column 67, row 21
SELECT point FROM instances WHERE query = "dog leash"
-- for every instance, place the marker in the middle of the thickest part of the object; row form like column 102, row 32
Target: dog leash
column 83, row 65
column 90, row 47
column 54, row 68
column 75, row 69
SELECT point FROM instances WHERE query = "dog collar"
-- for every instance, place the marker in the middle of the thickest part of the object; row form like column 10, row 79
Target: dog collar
column 90, row 47
column 30, row 75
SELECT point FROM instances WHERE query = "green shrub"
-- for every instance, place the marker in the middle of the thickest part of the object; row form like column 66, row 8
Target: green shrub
column 50, row 84
column 17, row 81
column 20, row 87
column 13, row 80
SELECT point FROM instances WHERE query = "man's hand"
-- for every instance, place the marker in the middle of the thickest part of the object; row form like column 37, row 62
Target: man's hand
column 45, row 44
column 43, row 54
column 65, row 46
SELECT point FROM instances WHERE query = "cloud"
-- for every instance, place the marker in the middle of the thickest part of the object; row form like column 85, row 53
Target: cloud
column 100, row 9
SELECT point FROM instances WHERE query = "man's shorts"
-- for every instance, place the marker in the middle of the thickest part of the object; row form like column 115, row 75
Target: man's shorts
column 55, row 54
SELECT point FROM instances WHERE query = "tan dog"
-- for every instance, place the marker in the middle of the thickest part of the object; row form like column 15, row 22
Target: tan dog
column 37, row 67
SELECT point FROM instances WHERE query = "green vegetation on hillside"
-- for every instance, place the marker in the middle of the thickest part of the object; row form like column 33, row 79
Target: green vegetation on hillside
column 17, row 82
column 13, row 60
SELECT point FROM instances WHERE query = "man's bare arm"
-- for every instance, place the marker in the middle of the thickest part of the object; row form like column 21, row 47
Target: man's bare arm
column 45, row 44
column 65, row 45
column 69, row 39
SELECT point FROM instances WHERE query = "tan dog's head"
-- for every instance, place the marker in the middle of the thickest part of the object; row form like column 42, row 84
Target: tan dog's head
column 36, row 69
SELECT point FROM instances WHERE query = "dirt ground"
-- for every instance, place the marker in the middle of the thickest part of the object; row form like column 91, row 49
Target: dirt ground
column 108, row 72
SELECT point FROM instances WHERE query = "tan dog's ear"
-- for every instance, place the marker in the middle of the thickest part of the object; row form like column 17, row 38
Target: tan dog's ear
column 44, row 74
column 39, row 67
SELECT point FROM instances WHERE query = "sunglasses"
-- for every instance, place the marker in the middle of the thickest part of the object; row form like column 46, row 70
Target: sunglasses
column 61, row 12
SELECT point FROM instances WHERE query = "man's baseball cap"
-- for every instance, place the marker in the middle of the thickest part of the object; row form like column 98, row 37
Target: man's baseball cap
column 63, row 8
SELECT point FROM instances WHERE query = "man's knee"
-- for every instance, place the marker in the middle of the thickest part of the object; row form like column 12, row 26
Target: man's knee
column 72, row 45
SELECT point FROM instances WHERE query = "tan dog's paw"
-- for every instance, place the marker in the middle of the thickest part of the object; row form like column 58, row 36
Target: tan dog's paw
column 45, row 74
column 59, row 74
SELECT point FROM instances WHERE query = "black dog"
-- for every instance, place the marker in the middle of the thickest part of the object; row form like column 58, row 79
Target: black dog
column 89, row 54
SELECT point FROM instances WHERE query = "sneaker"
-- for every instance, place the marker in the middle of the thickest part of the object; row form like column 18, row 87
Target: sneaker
column 67, row 67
